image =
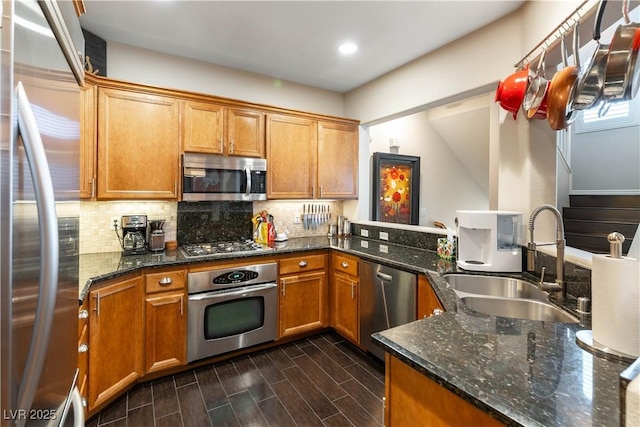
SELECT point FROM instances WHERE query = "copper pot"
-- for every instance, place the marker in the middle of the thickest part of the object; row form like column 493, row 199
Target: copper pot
column 561, row 92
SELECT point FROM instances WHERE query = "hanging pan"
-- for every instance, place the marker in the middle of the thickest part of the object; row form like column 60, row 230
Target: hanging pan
column 559, row 113
column 622, row 70
column 589, row 88
column 535, row 101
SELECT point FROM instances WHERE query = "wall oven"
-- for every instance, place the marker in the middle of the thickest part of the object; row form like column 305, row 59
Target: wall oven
column 208, row 177
column 231, row 308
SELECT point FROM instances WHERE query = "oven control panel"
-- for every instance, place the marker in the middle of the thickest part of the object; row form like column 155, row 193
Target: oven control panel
column 237, row 276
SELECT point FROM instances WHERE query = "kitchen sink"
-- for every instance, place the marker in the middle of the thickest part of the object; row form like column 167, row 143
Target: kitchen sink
column 495, row 286
column 517, row 308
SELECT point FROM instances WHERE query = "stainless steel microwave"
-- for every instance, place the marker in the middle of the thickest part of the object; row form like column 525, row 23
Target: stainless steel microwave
column 212, row 177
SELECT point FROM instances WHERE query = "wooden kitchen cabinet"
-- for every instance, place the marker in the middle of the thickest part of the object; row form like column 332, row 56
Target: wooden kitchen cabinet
column 88, row 142
column 344, row 291
column 337, row 160
column 303, row 300
column 165, row 343
column 115, row 339
column 212, row 128
column 411, row 396
column 138, row 145
column 428, row 302
column 310, row 158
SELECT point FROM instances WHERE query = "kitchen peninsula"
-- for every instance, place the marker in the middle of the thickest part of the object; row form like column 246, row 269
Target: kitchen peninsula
column 519, row 372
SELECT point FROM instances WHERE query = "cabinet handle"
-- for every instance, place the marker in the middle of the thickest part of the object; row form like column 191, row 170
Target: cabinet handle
column 93, row 188
column 83, row 314
column 84, row 402
column 181, row 305
column 231, row 146
column 353, row 290
column 313, row 192
column 302, row 263
column 97, row 309
column 175, row 188
column 83, row 348
column 221, row 144
column 284, row 288
column 344, row 264
column 437, row 311
column 165, row 281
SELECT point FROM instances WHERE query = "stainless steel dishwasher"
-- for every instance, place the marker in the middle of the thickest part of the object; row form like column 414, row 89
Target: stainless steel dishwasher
column 387, row 299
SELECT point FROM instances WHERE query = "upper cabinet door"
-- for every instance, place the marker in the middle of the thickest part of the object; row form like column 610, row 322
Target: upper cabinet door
column 337, row 160
column 138, row 145
column 291, row 157
column 203, row 130
column 245, row 132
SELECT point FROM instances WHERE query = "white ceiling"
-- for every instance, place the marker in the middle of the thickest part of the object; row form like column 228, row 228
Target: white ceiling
column 294, row 40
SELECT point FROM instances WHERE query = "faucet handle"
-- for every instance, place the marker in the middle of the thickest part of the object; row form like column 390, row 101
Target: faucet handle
column 542, row 275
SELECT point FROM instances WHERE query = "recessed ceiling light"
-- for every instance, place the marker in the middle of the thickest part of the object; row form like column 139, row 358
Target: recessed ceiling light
column 348, row 48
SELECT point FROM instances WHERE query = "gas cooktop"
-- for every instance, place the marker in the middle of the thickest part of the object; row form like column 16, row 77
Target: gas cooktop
column 198, row 250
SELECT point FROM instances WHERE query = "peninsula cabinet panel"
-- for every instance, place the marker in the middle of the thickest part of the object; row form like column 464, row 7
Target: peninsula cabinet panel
column 428, row 302
column 165, row 331
column 411, row 396
column 292, row 147
column 115, row 339
column 88, row 143
column 138, row 145
column 337, row 160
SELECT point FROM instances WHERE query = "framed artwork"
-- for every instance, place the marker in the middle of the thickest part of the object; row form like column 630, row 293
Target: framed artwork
column 396, row 188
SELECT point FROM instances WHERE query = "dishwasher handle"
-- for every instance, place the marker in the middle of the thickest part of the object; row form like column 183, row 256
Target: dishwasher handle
column 384, row 277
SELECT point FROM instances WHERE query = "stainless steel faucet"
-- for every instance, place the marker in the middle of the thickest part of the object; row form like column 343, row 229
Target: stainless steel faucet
column 559, row 287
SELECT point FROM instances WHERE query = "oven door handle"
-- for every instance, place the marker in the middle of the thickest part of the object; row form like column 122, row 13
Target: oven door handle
column 225, row 294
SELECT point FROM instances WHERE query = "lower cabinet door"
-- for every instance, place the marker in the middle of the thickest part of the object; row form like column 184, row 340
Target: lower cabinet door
column 115, row 339
column 344, row 306
column 303, row 303
column 165, row 331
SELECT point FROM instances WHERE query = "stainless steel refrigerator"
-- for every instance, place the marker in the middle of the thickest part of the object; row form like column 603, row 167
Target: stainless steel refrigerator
column 40, row 76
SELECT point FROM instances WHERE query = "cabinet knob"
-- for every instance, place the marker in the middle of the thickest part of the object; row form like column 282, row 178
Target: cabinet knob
column 437, row 311
column 345, row 264
column 84, row 402
column 302, row 263
column 83, row 348
column 83, row 314
column 165, row 281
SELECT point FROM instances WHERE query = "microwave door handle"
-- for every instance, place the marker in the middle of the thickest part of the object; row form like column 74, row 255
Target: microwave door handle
column 48, row 223
column 247, row 171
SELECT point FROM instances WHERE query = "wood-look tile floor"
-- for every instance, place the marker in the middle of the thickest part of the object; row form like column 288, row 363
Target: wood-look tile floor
column 318, row 381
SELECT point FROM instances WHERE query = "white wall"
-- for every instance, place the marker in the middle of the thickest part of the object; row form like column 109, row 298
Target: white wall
column 445, row 184
column 157, row 69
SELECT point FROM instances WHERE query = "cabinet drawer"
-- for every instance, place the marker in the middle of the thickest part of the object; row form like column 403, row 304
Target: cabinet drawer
column 83, row 353
column 167, row 281
column 345, row 264
column 302, row 263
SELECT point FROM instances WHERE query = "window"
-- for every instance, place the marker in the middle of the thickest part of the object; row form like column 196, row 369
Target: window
column 608, row 116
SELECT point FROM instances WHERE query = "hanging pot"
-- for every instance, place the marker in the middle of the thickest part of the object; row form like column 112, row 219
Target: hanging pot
column 536, row 92
column 511, row 90
column 622, row 70
column 589, row 87
column 561, row 91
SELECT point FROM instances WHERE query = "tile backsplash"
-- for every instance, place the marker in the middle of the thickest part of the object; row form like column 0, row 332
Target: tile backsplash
column 96, row 218
column 96, row 222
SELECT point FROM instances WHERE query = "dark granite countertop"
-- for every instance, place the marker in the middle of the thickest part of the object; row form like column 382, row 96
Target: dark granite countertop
column 522, row 372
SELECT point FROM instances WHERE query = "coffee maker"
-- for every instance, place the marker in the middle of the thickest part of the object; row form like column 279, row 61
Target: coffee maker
column 156, row 235
column 134, row 231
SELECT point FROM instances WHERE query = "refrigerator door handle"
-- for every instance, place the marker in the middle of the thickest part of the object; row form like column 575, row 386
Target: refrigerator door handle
column 48, row 222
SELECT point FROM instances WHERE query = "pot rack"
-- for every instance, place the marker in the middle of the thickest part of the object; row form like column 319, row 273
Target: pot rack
column 586, row 9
